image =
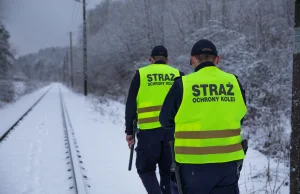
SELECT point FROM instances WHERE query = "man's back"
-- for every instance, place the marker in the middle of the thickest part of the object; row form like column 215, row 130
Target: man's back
column 206, row 109
column 155, row 82
column 147, row 92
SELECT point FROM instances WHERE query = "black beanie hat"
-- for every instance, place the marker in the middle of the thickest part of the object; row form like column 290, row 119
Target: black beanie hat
column 204, row 47
column 159, row 51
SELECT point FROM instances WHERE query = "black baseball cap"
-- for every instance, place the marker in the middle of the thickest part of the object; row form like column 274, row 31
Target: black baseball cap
column 159, row 51
column 204, row 47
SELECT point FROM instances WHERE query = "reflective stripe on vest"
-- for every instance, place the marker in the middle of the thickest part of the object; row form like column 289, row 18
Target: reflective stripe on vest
column 155, row 82
column 208, row 122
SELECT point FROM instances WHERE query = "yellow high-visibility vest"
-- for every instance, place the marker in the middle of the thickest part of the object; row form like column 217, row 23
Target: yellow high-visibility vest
column 208, row 122
column 155, row 82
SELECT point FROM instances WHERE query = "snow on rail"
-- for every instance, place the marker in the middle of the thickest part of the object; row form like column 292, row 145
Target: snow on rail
column 79, row 176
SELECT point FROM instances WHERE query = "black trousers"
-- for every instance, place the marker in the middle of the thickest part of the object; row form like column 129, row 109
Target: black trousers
column 153, row 149
column 210, row 178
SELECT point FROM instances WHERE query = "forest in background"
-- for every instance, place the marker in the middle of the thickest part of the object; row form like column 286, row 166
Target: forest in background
column 13, row 82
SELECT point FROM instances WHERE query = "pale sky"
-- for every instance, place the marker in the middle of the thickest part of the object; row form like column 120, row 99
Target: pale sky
column 36, row 24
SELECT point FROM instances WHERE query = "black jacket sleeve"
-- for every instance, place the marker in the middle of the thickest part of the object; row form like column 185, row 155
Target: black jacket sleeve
column 242, row 90
column 171, row 105
column 131, row 106
column 243, row 94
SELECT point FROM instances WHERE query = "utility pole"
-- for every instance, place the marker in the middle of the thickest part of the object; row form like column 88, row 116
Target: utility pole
column 67, row 69
column 295, row 118
column 85, row 77
column 71, row 60
column 64, row 70
column 84, row 48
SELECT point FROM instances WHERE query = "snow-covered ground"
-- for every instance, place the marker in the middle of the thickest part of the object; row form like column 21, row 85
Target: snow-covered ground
column 101, row 139
column 256, row 170
column 11, row 112
column 33, row 159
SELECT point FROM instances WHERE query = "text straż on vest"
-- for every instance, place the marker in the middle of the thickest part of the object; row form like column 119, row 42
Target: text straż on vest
column 160, row 79
column 213, row 93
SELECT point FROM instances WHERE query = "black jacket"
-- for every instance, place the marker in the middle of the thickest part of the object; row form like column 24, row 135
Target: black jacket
column 174, row 98
column 131, row 106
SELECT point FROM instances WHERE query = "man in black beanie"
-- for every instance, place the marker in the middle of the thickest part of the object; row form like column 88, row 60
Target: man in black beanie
column 147, row 92
column 205, row 109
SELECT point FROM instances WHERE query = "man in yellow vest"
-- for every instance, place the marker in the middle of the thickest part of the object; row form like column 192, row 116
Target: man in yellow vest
column 147, row 92
column 206, row 109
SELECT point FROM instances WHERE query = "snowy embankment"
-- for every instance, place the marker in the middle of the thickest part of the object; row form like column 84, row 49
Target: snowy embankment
column 12, row 112
column 101, row 140
column 99, row 130
column 263, row 175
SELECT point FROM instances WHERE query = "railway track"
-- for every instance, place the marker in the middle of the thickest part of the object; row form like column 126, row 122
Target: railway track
column 75, row 166
column 78, row 173
column 23, row 116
